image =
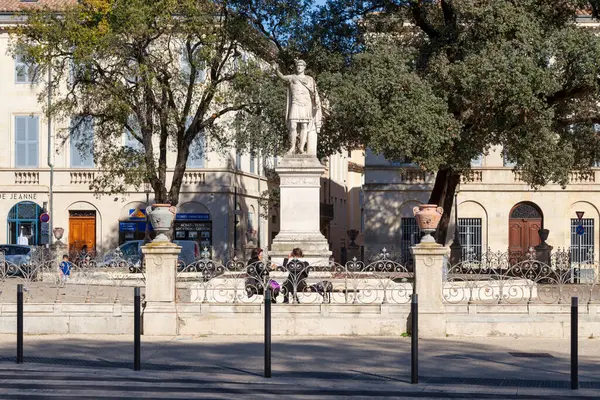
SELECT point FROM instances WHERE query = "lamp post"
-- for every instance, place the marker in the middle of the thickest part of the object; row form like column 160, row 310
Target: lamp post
column 147, row 188
column 455, row 247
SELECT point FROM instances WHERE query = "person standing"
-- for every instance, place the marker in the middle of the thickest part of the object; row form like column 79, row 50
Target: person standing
column 65, row 270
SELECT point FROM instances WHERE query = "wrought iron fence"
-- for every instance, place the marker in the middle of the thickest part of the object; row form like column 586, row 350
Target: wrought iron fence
column 98, row 278
column 297, row 282
column 507, row 277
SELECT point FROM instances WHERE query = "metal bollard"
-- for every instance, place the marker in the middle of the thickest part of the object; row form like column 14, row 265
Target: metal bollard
column 267, row 333
column 19, row 323
column 414, row 339
column 137, row 322
column 574, row 343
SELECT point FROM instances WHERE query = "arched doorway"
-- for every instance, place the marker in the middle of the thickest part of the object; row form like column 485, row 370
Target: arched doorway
column 524, row 222
column 23, row 222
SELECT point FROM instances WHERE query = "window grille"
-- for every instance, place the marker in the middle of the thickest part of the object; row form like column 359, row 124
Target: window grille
column 411, row 235
column 469, row 231
column 582, row 246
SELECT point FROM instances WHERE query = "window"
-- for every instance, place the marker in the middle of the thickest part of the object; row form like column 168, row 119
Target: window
column 197, row 148
column 24, row 72
column 469, row 231
column 238, row 160
column 582, row 246
column 129, row 140
column 81, row 137
column 411, row 235
column 477, row 161
column 26, row 141
column 186, row 66
column 252, row 164
column 250, row 221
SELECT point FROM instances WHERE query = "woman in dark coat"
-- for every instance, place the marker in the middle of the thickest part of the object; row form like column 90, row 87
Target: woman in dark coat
column 258, row 275
column 298, row 273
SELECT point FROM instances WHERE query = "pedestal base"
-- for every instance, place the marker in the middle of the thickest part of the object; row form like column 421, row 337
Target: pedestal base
column 160, row 319
column 314, row 247
column 300, row 185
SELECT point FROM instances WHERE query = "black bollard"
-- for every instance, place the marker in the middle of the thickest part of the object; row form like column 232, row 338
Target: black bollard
column 414, row 339
column 574, row 343
column 137, row 331
column 20, row 323
column 267, row 333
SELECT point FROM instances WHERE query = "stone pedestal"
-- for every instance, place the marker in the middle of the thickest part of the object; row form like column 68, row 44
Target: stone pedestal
column 429, row 264
column 160, row 316
column 300, row 185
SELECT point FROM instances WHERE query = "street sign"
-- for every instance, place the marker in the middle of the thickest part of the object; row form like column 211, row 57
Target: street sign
column 45, row 217
column 580, row 230
column 579, row 214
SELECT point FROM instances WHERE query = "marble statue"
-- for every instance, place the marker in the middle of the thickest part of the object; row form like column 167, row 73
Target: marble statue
column 303, row 112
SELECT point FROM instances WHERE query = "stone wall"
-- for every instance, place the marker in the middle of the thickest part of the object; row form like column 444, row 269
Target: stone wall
column 307, row 320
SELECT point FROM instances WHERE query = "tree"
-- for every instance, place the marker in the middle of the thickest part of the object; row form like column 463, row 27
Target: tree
column 443, row 81
column 165, row 73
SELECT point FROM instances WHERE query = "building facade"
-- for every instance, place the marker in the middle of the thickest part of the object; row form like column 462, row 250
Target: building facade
column 218, row 205
column 496, row 210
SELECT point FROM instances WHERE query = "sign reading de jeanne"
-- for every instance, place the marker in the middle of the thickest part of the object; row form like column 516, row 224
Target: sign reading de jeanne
column 18, row 196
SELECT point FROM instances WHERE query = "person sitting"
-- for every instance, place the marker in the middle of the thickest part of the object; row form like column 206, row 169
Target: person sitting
column 259, row 276
column 298, row 273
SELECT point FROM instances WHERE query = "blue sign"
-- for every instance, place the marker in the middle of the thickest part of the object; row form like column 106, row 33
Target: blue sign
column 580, row 230
column 192, row 217
column 127, row 226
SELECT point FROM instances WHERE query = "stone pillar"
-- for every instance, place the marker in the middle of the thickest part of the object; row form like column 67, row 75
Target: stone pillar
column 160, row 316
column 429, row 265
column 300, row 185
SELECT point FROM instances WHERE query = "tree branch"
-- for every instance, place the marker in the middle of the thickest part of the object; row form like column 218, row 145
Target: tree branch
column 419, row 14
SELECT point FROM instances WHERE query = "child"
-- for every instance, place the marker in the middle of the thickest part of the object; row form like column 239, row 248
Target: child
column 65, row 269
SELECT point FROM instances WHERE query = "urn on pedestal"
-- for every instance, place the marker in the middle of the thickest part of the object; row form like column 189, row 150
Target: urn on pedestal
column 428, row 217
column 161, row 217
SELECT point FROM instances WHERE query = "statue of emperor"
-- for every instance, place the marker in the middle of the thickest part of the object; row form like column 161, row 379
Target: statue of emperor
column 303, row 113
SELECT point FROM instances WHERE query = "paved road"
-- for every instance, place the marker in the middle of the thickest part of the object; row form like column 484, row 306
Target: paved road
column 99, row 367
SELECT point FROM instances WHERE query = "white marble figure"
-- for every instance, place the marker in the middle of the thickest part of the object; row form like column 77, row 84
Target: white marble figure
column 303, row 113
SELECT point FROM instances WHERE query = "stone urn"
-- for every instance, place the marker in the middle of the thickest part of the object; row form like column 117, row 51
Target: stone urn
column 58, row 233
column 161, row 217
column 428, row 217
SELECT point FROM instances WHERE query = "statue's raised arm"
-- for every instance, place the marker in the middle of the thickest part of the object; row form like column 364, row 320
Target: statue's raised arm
column 303, row 111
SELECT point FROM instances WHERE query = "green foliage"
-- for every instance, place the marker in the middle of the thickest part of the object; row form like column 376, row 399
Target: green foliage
column 164, row 72
column 467, row 75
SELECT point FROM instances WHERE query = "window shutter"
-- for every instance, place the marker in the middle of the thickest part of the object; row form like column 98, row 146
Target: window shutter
column 32, row 141
column 26, row 141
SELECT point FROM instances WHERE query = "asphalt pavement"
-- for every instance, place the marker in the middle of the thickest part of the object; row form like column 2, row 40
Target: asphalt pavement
column 226, row 367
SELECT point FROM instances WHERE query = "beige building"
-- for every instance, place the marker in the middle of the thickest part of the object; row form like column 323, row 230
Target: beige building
column 496, row 210
column 219, row 201
column 341, row 208
column 215, row 185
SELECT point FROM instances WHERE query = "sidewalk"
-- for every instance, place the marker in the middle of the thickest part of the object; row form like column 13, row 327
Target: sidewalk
column 99, row 367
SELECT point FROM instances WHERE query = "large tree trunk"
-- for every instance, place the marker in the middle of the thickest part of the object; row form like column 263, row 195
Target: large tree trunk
column 446, row 181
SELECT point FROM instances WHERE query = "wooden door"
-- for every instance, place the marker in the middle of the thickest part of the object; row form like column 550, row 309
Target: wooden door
column 82, row 231
column 523, row 226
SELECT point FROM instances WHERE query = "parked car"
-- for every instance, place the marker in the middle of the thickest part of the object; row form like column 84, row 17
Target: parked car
column 129, row 254
column 17, row 259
